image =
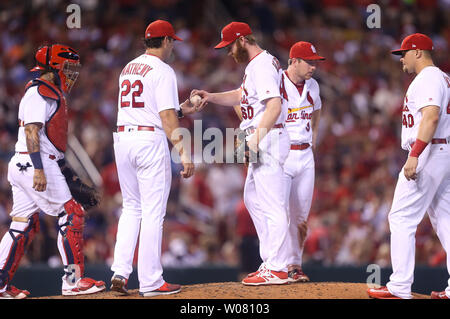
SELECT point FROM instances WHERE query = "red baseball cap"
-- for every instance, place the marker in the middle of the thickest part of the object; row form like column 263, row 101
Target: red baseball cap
column 160, row 28
column 415, row 41
column 305, row 51
column 231, row 32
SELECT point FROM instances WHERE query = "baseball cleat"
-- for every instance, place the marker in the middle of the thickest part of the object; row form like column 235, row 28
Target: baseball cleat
column 381, row 293
column 439, row 295
column 297, row 275
column 14, row 293
column 84, row 286
column 119, row 284
column 267, row 277
column 261, row 268
column 166, row 289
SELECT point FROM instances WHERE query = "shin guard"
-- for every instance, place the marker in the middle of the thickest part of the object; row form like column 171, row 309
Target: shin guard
column 72, row 237
column 21, row 239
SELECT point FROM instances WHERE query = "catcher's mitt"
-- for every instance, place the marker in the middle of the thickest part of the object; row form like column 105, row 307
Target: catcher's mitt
column 85, row 195
column 242, row 153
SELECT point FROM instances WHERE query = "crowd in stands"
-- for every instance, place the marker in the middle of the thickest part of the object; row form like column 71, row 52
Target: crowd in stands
column 358, row 156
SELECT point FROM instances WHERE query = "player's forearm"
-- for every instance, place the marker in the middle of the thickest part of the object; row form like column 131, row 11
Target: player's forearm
column 315, row 125
column 228, row 98
column 32, row 137
column 427, row 128
column 237, row 109
column 269, row 118
column 33, row 146
column 428, row 124
column 170, row 125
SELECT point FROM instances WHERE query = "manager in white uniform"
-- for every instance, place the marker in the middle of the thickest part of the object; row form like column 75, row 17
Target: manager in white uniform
column 147, row 116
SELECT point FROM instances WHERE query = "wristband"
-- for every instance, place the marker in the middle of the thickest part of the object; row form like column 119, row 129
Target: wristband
column 417, row 148
column 180, row 113
column 36, row 160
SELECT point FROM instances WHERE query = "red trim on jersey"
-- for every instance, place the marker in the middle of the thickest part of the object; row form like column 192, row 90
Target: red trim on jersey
column 309, row 98
column 298, row 86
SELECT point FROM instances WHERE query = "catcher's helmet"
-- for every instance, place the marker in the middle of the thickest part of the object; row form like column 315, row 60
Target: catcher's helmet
column 60, row 59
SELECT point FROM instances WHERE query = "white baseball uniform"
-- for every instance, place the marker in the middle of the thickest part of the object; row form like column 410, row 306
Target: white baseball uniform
column 147, row 86
column 431, row 190
column 34, row 108
column 264, row 186
column 302, row 101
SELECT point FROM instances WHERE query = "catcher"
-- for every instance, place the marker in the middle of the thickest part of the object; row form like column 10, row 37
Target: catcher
column 36, row 178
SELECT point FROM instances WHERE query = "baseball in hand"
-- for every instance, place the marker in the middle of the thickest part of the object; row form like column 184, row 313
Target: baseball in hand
column 195, row 100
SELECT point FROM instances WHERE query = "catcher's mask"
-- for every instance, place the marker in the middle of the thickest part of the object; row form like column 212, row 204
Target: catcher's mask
column 60, row 59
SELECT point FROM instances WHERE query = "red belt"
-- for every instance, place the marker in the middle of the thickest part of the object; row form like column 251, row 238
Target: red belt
column 252, row 130
column 439, row 141
column 121, row 128
column 299, row 147
column 52, row 157
column 435, row 141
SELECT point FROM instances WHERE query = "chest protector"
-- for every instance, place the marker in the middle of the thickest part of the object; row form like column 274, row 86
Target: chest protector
column 57, row 126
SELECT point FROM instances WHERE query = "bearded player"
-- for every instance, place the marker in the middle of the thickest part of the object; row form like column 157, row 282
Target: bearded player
column 263, row 120
column 36, row 178
column 424, row 182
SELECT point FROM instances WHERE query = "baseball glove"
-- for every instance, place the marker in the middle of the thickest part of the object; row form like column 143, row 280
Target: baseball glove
column 242, row 153
column 85, row 195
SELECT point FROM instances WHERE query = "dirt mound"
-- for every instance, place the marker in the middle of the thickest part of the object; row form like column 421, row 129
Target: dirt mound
column 235, row 290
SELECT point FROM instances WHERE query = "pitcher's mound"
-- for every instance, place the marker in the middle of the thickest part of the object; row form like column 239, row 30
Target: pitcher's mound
column 235, row 290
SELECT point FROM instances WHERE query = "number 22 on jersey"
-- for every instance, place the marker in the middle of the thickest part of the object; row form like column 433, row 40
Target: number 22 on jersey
column 136, row 88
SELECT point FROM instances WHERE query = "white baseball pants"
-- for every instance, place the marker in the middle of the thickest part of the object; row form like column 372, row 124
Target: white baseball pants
column 430, row 192
column 144, row 171
column 27, row 201
column 264, row 197
column 299, row 178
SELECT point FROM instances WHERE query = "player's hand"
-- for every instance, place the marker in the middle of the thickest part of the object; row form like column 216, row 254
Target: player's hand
column 251, row 153
column 188, row 167
column 39, row 180
column 205, row 98
column 187, row 107
column 410, row 168
column 253, row 144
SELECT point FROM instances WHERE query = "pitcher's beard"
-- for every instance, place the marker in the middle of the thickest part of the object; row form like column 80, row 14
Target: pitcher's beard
column 241, row 55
